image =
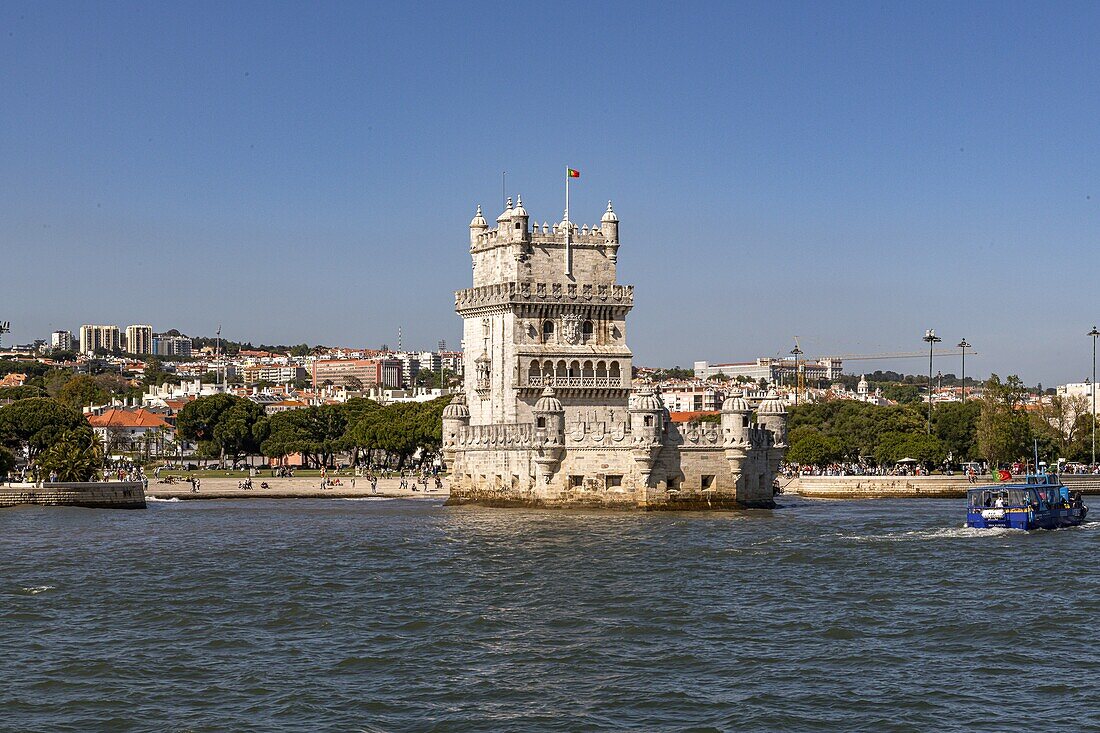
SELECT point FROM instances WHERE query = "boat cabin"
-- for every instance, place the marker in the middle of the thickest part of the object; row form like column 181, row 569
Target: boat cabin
column 1041, row 494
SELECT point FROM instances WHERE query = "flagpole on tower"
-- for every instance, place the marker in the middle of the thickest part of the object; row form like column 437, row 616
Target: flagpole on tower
column 568, row 228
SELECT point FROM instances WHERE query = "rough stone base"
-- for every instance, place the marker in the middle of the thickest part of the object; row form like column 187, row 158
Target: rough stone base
column 92, row 495
column 620, row 502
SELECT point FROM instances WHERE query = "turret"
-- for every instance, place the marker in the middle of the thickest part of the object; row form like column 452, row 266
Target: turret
column 647, row 416
column 550, row 416
column 519, row 226
column 735, row 420
column 549, row 433
column 478, row 226
column 456, row 416
column 609, row 224
column 772, row 416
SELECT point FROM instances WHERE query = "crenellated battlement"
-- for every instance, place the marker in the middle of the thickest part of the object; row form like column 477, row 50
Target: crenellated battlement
column 524, row 292
column 546, row 234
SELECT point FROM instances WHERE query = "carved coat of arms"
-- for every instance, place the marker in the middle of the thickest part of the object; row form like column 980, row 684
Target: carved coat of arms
column 571, row 328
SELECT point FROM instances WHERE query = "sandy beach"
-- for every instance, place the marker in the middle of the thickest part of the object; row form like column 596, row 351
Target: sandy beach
column 291, row 488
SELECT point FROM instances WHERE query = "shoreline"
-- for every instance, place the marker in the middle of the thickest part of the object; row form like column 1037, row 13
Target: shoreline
column 291, row 488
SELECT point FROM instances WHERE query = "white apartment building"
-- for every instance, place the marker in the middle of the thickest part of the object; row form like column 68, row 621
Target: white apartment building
column 61, row 340
column 1079, row 389
column 94, row 337
column 139, row 339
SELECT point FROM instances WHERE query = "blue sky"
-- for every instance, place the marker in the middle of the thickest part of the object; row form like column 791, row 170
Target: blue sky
column 849, row 173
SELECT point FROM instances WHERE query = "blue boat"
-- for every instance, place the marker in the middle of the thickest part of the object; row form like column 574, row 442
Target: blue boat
column 1042, row 502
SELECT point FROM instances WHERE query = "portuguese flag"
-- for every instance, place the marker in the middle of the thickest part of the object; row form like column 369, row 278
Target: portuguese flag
column 1001, row 476
column 572, row 173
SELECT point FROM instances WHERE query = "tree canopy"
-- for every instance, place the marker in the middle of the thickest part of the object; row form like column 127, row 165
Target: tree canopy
column 35, row 424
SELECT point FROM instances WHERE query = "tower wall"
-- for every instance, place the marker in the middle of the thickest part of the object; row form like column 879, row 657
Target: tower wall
column 548, row 387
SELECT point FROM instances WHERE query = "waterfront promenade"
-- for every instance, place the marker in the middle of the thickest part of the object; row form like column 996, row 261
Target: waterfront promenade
column 909, row 487
column 293, row 488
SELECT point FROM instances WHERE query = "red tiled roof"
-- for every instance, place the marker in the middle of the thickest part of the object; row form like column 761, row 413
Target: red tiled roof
column 115, row 418
column 689, row 416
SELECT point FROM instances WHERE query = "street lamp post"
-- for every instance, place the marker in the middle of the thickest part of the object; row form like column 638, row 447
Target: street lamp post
column 1094, row 333
column 797, row 353
column 964, row 346
column 932, row 339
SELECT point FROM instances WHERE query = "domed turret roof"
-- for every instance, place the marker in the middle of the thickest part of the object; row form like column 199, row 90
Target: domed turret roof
column 548, row 402
column 771, row 405
column 478, row 222
column 609, row 215
column 519, row 210
column 646, row 401
column 736, row 402
column 457, row 408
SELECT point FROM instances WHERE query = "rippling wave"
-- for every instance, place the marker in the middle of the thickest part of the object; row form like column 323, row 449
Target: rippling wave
column 395, row 615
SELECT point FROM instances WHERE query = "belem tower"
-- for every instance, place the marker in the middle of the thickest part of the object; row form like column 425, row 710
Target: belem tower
column 548, row 417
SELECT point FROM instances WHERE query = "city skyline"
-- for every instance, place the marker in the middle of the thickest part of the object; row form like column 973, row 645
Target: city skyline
column 848, row 175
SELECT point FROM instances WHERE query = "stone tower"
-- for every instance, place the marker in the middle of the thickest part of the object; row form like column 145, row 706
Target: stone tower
column 547, row 416
column 543, row 314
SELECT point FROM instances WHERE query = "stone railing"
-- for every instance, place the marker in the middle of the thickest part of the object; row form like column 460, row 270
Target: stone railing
column 574, row 382
column 513, row 292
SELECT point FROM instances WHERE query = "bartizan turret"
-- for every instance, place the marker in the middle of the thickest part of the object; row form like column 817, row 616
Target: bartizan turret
column 772, row 416
column 735, row 421
column 478, row 226
column 609, row 225
column 456, row 416
column 549, row 442
column 647, row 429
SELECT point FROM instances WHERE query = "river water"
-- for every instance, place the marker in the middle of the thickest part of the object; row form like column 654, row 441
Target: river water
column 395, row 615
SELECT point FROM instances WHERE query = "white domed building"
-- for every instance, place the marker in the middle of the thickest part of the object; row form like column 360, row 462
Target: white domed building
column 548, row 416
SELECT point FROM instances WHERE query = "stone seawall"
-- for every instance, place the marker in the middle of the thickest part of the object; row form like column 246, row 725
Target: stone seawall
column 907, row 487
column 95, row 495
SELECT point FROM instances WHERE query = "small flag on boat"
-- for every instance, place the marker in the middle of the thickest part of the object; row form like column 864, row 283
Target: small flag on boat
column 572, row 173
column 1002, row 476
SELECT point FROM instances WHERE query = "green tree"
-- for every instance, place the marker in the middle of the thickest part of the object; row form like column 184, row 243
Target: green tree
column 318, row 433
column 222, row 425
column 956, row 425
column 241, row 429
column 7, row 461
column 814, row 449
column 1062, row 427
column 1004, row 430
column 34, row 424
column 21, row 393
column 903, row 394
column 83, row 390
column 893, row 447
column 75, row 455
column 856, row 426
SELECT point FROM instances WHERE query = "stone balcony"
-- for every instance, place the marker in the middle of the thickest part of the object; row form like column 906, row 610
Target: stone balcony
column 575, row 382
column 524, row 292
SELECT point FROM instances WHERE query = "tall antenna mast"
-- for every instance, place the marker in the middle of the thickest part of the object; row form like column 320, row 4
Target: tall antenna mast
column 399, row 339
column 217, row 353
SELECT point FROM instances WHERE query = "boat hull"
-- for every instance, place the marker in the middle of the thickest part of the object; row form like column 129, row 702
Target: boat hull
column 1027, row 519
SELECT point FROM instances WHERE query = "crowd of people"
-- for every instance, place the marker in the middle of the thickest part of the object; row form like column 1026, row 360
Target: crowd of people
column 790, row 470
